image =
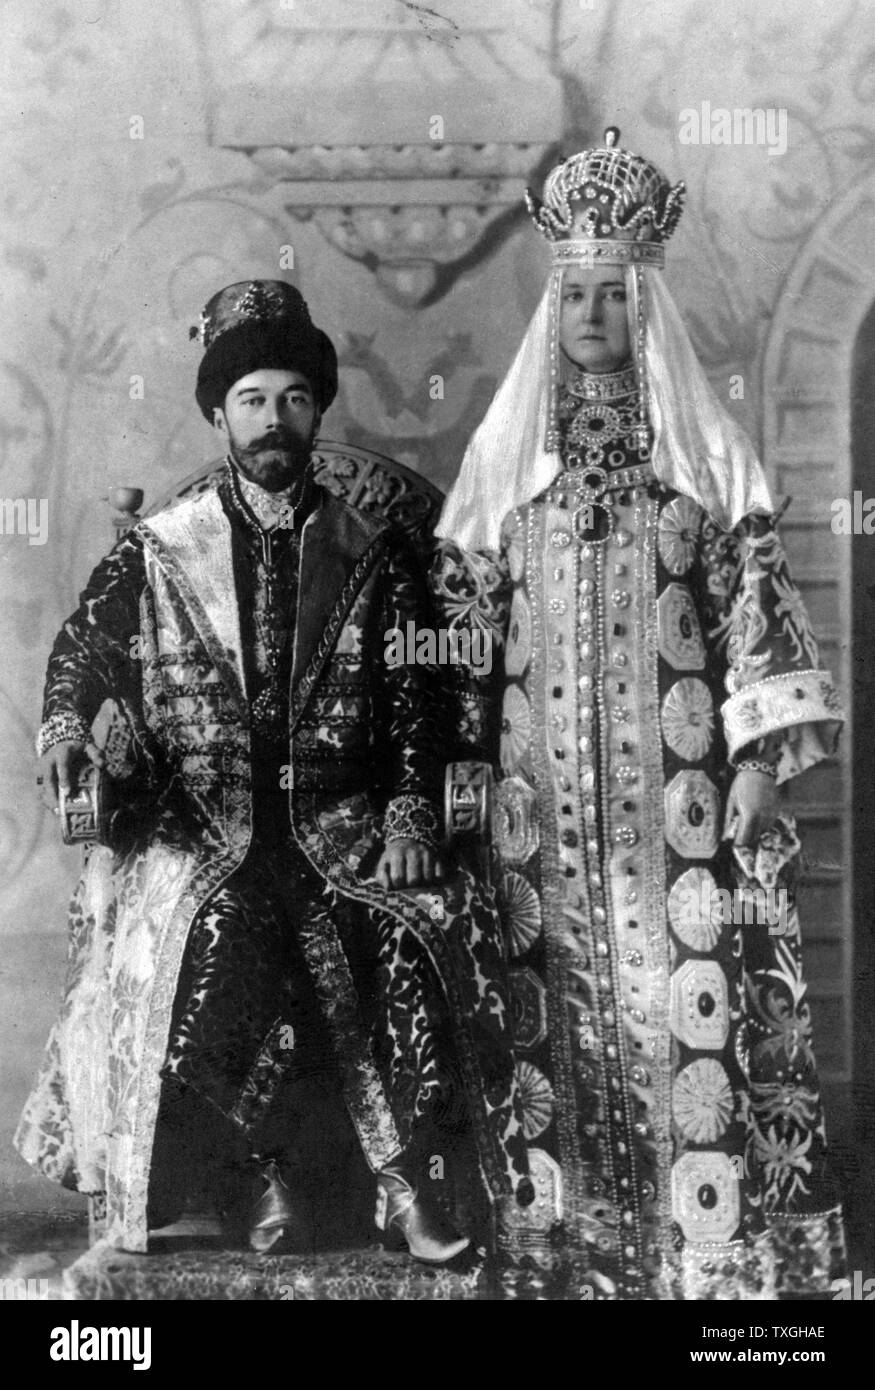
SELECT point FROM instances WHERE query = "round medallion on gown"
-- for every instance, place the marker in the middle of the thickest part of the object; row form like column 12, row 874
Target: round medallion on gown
column 536, row 1097
column 695, row 909
column 678, row 530
column 591, row 426
column 688, row 718
column 516, row 728
column 702, row 1101
column 519, row 635
column 520, row 912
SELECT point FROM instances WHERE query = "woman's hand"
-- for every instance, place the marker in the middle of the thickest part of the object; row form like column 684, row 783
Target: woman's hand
column 751, row 807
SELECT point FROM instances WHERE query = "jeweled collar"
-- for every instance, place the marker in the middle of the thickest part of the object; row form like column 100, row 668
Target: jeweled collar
column 601, row 386
column 265, row 510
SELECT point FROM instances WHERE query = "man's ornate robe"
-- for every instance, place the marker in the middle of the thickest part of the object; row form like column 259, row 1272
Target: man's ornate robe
column 158, row 632
column 670, row 1096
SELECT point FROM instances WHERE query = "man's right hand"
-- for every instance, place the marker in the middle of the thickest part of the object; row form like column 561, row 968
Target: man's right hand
column 60, row 765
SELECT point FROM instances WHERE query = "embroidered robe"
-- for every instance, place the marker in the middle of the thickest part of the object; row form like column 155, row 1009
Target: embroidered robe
column 360, row 735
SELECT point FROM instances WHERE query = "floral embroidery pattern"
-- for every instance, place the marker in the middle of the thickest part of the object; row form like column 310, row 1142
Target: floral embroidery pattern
column 784, row 1160
column 470, row 590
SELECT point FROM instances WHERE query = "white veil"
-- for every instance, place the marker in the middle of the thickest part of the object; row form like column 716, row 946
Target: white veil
column 698, row 448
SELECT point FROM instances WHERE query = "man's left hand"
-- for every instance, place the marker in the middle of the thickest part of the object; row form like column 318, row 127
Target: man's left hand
column 408, row 864
column 751, row 808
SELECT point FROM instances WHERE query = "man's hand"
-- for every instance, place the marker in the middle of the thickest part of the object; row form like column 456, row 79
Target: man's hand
column 59, row 767
column 408, row 864
column 751, row 807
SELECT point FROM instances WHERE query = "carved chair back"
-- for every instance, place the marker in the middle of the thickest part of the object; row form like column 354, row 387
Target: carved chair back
column 366, row 480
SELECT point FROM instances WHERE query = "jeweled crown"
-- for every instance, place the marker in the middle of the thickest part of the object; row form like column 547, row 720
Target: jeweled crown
column 607, row 194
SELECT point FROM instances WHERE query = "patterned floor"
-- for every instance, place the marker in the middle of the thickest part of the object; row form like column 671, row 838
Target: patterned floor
column 47, row 1256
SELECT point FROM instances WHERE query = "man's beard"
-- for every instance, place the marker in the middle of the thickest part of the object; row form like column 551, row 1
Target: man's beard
column 275, row 462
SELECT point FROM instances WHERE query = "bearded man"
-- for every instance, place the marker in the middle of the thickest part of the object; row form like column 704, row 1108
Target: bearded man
column 611, row 526
column 246, row 952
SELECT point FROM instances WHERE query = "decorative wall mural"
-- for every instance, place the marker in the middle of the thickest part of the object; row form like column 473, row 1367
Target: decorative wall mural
column 425, row 183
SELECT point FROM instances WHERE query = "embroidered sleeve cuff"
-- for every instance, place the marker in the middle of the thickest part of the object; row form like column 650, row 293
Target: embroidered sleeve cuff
column 59, row 728
column 411, row 817
column 803, row 704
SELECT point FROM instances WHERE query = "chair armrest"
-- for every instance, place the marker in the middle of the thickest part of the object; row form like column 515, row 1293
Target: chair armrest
column 82, row 809
column 89, row 810
column 468, row 804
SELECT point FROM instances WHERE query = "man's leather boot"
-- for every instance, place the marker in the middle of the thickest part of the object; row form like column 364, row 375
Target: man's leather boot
column 281, row 1221
column 406, row 1217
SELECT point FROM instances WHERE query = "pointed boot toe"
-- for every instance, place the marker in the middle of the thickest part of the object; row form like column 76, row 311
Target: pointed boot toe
column 408, row 1219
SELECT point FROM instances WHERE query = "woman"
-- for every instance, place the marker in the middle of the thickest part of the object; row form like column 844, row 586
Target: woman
column 613, row 529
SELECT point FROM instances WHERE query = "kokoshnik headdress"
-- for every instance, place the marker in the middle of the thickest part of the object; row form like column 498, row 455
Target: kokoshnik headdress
column 605, row 206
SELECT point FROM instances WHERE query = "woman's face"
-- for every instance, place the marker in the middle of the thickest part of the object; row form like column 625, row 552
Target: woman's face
column 593, row 323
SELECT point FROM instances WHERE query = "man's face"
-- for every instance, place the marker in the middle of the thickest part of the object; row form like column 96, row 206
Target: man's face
column 270, row 421
column 593, row 324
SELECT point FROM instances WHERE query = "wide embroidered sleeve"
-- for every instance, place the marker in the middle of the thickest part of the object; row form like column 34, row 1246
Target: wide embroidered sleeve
column 93, row 658
column 778, row 694
column 471, row 591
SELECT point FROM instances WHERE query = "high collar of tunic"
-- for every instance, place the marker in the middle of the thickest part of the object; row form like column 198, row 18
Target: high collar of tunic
column 598, row 386
column 271, row 509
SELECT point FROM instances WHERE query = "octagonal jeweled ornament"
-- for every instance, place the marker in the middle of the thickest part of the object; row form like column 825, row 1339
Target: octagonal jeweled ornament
column 546, row 1209
column 699, row 1005
column 704, row 1196
column 692, row 814
column 679, row 634
column 528, row 999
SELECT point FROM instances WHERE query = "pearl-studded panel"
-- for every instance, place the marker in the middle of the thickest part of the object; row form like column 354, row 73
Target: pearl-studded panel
column 596, row 760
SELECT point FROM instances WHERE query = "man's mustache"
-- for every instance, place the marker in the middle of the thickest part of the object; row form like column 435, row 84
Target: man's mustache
column 287, row 442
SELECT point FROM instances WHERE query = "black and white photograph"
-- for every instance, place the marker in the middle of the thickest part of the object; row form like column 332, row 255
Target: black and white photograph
column 437, row 698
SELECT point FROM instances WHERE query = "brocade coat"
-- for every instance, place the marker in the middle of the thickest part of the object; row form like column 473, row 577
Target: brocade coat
column 158, row 633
